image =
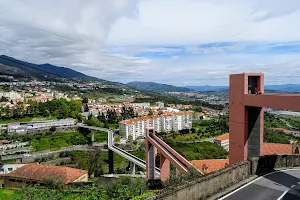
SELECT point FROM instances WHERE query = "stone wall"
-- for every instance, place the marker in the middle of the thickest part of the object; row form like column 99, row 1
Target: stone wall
column 213, row 183
column 268, row 163
column 207, row 185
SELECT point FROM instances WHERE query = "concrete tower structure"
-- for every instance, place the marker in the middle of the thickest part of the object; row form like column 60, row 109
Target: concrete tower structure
column 246, row 113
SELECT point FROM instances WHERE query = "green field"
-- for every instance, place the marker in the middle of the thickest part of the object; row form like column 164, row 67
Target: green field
column 185, row 137
column 26, row 119
column 58, row 140
column 8, row 194
column 199, row 151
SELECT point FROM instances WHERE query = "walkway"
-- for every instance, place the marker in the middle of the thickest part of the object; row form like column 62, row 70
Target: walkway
column 127, row 155
column 277, row 185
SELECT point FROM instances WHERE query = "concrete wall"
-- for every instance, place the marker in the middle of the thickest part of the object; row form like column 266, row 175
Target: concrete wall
column 207, row 185
column 267, row 163
column 213, row 183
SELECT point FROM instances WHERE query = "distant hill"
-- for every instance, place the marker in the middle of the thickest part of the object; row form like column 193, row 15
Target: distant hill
column 206, row 88
column 156, row 87
column 24, row 70
column 284, row 88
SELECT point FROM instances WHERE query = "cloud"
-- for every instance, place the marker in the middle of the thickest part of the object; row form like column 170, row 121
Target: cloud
column 190, row 22
column 69, row 33
column 268, row 9
column 178, row 42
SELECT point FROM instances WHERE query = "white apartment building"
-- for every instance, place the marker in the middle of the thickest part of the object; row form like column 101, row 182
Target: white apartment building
column 167, row 122
column 223, row 141
column 7, row 168
column 141, row 105
column 162, row 123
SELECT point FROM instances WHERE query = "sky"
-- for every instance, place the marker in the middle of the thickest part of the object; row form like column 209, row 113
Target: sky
column 178, row 42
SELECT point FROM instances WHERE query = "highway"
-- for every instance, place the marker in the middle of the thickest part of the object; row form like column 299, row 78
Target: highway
column 277, row 185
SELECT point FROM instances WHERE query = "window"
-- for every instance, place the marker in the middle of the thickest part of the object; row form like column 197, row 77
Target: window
column 10, row 169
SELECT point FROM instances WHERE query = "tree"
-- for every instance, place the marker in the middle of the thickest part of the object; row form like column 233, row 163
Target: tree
column 197, row 109
column 150, row 113
column 85, row 100
column 193, row 130
column 95, row 165
column 130, row 138
column 79, row 117
column 117, row 139
column 85, row 107
column 101, row 117
column 90, row 116
column 7, row 111
column 52, row 129
column 3, row 99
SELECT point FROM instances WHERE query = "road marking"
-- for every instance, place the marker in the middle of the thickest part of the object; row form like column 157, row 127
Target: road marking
column 229, row 194
column 279, row 198
column 293, row 186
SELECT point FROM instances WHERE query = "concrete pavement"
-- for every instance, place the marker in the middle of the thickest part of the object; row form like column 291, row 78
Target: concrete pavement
column 277, row 185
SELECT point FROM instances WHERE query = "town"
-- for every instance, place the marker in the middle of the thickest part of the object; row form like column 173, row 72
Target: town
column 149, row 100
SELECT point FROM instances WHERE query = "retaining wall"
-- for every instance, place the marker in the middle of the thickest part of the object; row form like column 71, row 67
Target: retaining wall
column 215, row 182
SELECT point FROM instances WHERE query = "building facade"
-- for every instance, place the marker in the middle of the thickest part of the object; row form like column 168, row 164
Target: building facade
column 161, row 123
column 223, row 141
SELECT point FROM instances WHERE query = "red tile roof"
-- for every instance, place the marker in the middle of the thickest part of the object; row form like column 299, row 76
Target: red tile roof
column 39, row 173
column 211, row 164
column 272, row 148
column 282, row 129
column 223, row 137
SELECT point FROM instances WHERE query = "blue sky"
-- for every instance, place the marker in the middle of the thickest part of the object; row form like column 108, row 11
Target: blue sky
column 179, row 42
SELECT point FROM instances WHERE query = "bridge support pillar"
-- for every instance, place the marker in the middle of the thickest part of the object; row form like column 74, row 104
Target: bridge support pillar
column 110, row 162
column 92, row 136
column 164, row 168
column 132, row 168
column 150, row 161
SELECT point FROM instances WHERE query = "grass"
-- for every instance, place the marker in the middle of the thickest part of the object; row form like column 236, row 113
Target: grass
column 100, row 136
column 7, row 194
column 58, row 140
column 10, row 162
column 185, row 137
column 113, row 126
column 26, row 119
column 199, row 151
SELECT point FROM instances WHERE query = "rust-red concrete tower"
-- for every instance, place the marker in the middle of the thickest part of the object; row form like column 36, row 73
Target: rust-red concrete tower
column 246, row 113
column 246, row 122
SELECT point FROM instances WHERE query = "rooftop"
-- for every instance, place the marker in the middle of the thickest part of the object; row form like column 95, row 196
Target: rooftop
column 272, row 148
column 39, row 173
column 210, row 165
column 223, row 137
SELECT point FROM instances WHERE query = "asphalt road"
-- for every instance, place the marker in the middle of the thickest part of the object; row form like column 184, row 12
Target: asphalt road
column 283, row 185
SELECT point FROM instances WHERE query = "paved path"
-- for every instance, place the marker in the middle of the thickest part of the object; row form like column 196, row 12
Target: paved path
column 278, row 185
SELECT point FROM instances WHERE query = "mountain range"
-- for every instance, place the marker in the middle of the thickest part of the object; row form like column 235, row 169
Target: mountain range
column 282, row 88
column 206, row 88
column 28, row 71
column 46, row 72
column 156, row 87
